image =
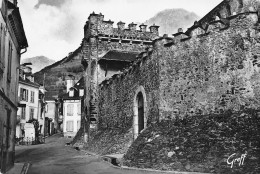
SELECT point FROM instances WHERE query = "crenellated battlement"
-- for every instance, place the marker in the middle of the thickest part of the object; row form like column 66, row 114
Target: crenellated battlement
column 218, row 25
column 229, row 8
column 196, row 31
column 96, row 26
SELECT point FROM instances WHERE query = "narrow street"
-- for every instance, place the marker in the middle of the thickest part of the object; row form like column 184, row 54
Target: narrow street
column 54, row 157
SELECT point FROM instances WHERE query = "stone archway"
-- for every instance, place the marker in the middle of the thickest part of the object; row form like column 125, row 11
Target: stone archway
column 140, row 111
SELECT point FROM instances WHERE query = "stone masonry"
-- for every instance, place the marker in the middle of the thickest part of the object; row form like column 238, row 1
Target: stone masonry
column 100, row 37
column 211, row 69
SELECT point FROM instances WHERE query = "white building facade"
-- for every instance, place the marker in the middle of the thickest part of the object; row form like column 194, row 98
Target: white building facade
column 28, row 95
column 72, row 108
column 72, row 117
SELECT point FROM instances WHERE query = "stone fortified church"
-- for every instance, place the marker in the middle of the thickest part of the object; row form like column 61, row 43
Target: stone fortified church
column 134, row 77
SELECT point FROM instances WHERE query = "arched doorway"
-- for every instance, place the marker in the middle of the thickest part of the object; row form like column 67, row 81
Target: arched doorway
column 140, row 116
column 140, row 102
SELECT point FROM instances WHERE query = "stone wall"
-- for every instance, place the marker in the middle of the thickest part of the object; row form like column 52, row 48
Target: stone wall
column 229, row 7
column 212, row 71
column 100, row 37
column 116, row 95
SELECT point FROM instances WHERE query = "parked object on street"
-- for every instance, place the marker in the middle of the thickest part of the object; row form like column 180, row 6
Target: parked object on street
column 29, row 131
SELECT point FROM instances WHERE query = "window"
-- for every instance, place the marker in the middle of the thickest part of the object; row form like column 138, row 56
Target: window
column 23, row 113
column 69, row 127
column 8, row 127
column 70, row 109
column 79, row 108
column 81, row 92
column 78, row 125
column 71, row 93
column 46, row 108
column 32, row 96
column 9, row 70
column 2, row 46
column 1, row 57
column 23, row 94
column 31, row 113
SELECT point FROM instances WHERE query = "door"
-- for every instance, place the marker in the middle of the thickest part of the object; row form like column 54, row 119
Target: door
column 5, row 143
column 140, row 100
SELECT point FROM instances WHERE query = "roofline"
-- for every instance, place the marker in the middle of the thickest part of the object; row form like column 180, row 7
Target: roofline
column 215, row 9
column 18, row 28
column 76, row 98
column 105, row 59
column 29, row 84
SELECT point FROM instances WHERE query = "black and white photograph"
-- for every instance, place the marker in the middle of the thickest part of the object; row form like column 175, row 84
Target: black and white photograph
column 130, row 87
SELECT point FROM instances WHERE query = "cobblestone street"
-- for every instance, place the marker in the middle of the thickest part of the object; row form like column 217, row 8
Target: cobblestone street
column 54, row 157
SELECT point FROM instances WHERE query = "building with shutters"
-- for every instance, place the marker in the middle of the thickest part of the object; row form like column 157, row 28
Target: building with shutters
column 41, row 110
column 51, row 111
column 28, row 96
column 72, row 102
column 13, row 43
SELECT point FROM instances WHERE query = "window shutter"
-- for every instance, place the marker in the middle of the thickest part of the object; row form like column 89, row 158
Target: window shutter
column 70, row 110
column 78, row 124
column 21, row 93
column 32, row 96
column 26, row 93
column 69, row 126
column 79, row 108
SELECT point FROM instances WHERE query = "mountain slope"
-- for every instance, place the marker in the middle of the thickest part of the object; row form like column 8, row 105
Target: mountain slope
column 38, row 62
column 55, row 75
column 170, row 20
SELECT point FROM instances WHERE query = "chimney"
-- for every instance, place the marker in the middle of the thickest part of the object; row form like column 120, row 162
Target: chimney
column 70, row 83
column 121, row 25
column 143, row 27
column 154, row 29
column 132, row 26
column 180, row 30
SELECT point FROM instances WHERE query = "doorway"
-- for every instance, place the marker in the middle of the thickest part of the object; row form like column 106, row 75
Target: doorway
column 140, row 105
column 140, row 101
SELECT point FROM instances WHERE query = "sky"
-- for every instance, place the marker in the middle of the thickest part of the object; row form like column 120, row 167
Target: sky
column 54, row 28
